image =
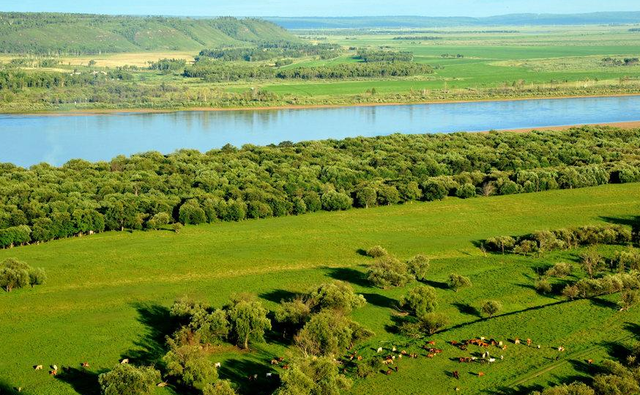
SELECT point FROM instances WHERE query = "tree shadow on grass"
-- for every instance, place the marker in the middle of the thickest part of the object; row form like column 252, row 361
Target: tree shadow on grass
column 583, row 366
column 239, row 372
column 604, row 303
column 633, row 328
column 361, row 252
column 278, row 295
column 380, row 300
column 352, row 276
column 151, row 347
column 616, row 350
column 632, row 221
column 436, row 284
column 467, row 309
column 8, row 389
column 83, row 381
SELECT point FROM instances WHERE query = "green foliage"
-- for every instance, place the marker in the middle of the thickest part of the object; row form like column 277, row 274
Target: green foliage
column 336, row 201
column 543, row 286
column 328, row 333
column 388, row 271
column 337, row 296
column 15, row 274
column 377, row 252
column 570, row 389
column 419, row 266
column 560, row 269
column 457, row 281
column 127, row 379
column 432, row 322
column 248, row 321
column 491, row 307
column 313, row 376
column 189, row 365
column 220, row 387
column 420, row 300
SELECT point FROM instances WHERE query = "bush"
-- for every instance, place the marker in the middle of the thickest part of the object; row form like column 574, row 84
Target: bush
column 466, row 191
column 389, row 272
column 543, row 286
column 433, row 322
column 419, row 266
column 376, row 252
column 313, row 376
column 336, row 201
column 128, row 379
column 15, row 274
column 191, row 213
column 434, row 190
column 560, row 269
column 337, row 296
column 328, row 333
column 221, row 387
column 491, row 307
column 571, row 389
column 189, row 365
column 457, row 281
column 420, row 301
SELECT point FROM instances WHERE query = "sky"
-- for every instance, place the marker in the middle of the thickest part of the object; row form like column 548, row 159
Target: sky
column 320, row 7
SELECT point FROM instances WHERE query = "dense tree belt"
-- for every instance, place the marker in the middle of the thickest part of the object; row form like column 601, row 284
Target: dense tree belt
column 151, row 190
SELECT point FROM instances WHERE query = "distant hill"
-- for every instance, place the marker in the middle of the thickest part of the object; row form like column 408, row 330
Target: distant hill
column 597, row 18
column 51, row 33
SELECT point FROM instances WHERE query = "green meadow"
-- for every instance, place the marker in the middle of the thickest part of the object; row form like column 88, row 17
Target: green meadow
column 108, row 295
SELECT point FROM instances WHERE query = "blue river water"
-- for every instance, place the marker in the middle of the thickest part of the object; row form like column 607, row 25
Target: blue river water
column 30, row 139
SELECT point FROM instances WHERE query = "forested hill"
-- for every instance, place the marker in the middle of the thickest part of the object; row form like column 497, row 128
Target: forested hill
column 51, row 33
column 423, row 21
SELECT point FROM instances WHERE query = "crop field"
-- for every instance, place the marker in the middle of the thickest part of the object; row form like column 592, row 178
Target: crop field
column 102, row 303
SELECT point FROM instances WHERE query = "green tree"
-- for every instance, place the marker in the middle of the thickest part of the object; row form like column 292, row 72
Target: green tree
column 570, row 389
column 433, row 322
column 420, row 300
column 191, row 213
column 336, row 295
column 491, row 307
column 220, row 387
column 248, row 321
column 313, row 376
column 189, row 365
column 376, row 252
column 388, row 271
column 629, row 299
column 336, row 201
column 128, row 379
column 419, row 266
column 15, row 274
column 328, row 333
column 366, row 197
column 457, row 281
column 591, row 262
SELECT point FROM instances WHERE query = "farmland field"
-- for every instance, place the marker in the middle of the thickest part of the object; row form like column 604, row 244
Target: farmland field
column 103, row 303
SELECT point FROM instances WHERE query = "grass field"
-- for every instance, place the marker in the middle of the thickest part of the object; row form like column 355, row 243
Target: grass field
column 107, row 295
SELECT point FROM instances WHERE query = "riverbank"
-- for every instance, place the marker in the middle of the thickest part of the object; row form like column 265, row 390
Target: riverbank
column 621, row 125
column 278, row 107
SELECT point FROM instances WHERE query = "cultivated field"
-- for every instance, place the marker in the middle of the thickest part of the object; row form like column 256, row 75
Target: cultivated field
column 107, row 295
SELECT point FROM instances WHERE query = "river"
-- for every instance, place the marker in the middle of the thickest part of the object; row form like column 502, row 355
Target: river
column 30, row 139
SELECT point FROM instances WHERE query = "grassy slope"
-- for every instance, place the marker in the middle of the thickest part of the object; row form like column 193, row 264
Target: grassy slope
column 107, row 293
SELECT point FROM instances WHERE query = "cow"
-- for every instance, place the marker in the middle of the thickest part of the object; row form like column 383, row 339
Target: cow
column 85, row 364
column 389, row 371
column 516, row 341
column 431, row 355
column 456, row 374
column 359, row 358
column 163, row 384
column 491, row 360
column 218, row 365
column 529, row 341
column 394, row 349
column 403, row 352
column 53, row 372
column 54, row 367
column 124, row 361
column 379, row 350
column 38, row 367
column 590, row 361
column 432, row 343
column 454, row 343
column 413, row 355
column 285, row 367
column 281, row 359
column 480, row 374
column 269, row 375
column 275, row 362
column 560, row 349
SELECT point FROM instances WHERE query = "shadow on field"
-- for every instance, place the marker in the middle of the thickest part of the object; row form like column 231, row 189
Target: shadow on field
column 465, row 308
column 151, row 346
column 349, row 275
column 585, row 367
column 436, row 284
column 632, row 221
column 7, row 389
column 83, row 381
column 607, row 304
column 633, row 328
column 241, row 372
column 278, row 295
column 380, row 300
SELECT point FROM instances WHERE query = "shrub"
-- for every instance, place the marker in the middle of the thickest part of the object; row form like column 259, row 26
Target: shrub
column 313, row 376
column 15, row 274
column 221, row 387
column 191, row 213
column 128, row 379
column 543, row 286
column 389, row 272
column 328, row 333
column 337, row 295
column 433, row 322
column 571, row 389
column 466, row 191
column 457, row 281
column 560, row 269
column 418, row 267
column 491, row 307
column 376, row 252
column 336, row 201
column 189, row 365
column 434, row 190
column 420, row 300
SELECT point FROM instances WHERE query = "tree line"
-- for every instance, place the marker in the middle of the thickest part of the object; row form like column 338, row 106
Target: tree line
column 268, row 51
column 151, row 190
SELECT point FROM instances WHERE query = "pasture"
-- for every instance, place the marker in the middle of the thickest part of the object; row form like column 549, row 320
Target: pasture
column 107, row 295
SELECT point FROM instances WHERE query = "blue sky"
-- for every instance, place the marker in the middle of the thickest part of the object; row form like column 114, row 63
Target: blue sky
column 320, row 7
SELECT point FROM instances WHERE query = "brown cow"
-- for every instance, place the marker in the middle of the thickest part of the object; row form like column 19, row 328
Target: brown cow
column 275, row 362
column 590, row 361
column 389, row 371
column 529, row 341
column 431, row 355
column 456, row 374
column 480, row 374
column 85, row 364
